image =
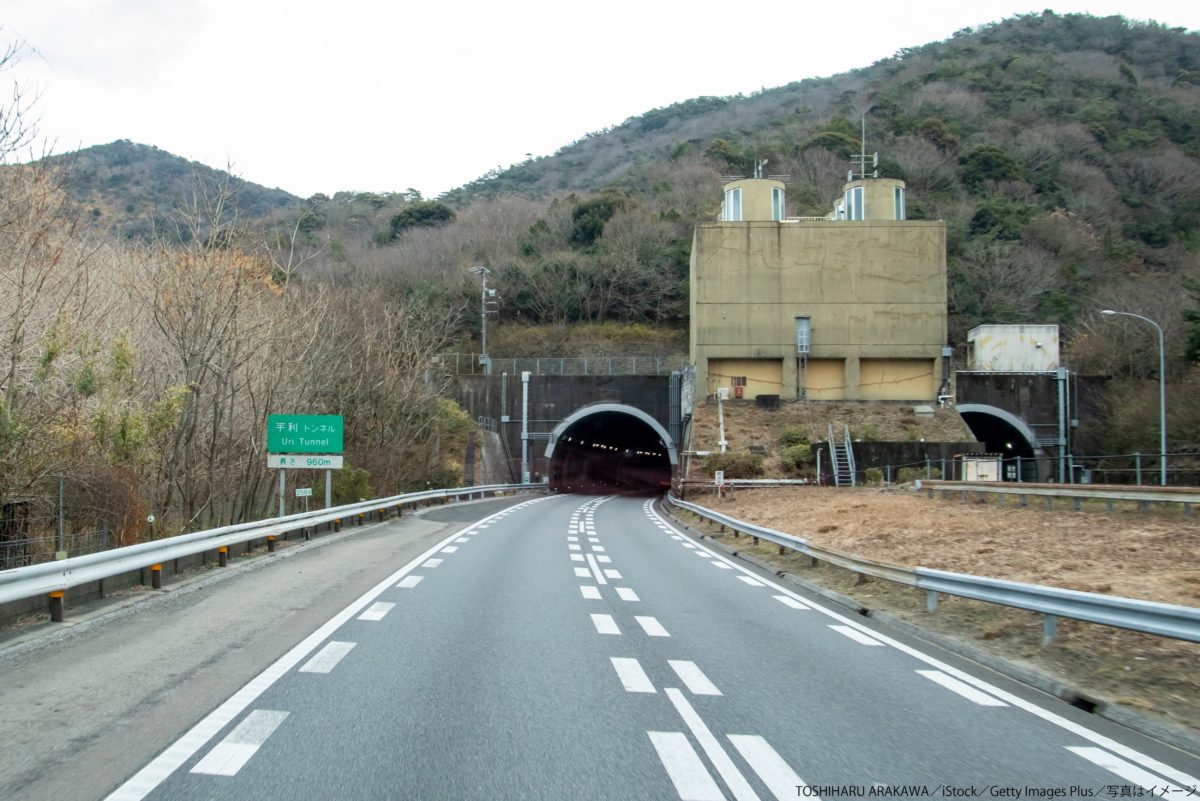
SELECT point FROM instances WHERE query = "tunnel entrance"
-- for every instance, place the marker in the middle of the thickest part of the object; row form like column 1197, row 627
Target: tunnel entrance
column 610, row 447
column 1006, row 434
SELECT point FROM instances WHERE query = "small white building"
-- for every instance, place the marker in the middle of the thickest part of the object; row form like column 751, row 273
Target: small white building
column 1013, row 348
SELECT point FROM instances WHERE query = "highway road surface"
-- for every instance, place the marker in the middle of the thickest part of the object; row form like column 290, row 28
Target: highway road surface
column 580, row 647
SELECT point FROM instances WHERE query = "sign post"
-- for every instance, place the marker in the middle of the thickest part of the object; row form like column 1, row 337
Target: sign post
column 305, row 441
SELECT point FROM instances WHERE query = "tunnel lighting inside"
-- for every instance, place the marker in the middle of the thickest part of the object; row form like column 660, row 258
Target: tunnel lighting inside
column 607, row 452
column 1000, row 436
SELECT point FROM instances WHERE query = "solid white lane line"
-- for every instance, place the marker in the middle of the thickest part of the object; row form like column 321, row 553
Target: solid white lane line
column 580, row 528
column 1079, row 730
column 450, row 549
column 605, row 624
column 780, row 779
column 684, row 767
column 604, row 559
column 576, row 557
column 432, row 563
column 596, row 571
column 751, row 581
column 589, row 592
column 792, row 602
column 632, row 677
column 376, row 611
column 408, row 582
column 651, row 626
column 612, row 574
column 327, row 658
column 962, row 688
column 228, row 756
column 716, row 754
column 1127, row 771
column 855, row 635
column 582, row 572
column 626, row 594
column 697, row 683
column 575, row 546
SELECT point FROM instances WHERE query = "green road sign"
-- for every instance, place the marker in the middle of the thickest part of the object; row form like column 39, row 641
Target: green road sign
column 304, row 433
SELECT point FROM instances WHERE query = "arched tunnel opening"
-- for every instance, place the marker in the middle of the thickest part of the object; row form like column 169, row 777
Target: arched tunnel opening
column 610, row 451
column 1000, row 436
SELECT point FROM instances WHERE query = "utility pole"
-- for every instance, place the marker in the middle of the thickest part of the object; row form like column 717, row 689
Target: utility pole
column 489, row 303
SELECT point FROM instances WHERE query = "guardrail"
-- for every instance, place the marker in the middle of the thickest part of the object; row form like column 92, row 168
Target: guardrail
column 1168, row 620
column 1186, row 496
column 54, row 578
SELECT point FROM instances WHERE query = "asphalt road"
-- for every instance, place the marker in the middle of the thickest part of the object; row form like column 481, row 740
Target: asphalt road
column 576, row 647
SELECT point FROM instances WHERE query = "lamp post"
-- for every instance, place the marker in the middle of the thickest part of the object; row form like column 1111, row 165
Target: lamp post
column 1162, row 390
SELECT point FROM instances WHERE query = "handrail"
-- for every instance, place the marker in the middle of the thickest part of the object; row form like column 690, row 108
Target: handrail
column 850, row 457
column 1167, row 620
column 47, row 577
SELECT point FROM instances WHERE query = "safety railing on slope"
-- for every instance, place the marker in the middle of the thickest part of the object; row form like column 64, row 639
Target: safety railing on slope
column 56, row 577
column 1168, row 620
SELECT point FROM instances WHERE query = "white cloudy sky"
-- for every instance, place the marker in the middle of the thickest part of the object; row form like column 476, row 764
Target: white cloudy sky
column 327, row 95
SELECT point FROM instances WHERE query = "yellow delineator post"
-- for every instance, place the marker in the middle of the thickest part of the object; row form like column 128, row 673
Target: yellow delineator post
column 156, row 576
column 56, row 606
column 271, row 543
column 223, row 556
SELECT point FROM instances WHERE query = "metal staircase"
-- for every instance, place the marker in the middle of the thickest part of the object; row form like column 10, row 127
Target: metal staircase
column 841, row 454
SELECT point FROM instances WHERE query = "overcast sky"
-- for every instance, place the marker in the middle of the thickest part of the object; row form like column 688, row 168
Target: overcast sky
column 327, row 95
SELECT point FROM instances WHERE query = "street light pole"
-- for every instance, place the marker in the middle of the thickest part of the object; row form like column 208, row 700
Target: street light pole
column 1162, row 390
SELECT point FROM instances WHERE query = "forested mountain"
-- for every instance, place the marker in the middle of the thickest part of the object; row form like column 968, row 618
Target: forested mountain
column 133, row 190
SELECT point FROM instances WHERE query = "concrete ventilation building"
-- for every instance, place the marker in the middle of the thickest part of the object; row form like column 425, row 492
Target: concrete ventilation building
column 850, row 306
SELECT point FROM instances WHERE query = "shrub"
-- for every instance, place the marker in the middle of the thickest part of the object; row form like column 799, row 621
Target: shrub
column 735, row 465
column 796, row 457
column 907, row 475
column 793, row 436
column 867, row 432
column 874, row 476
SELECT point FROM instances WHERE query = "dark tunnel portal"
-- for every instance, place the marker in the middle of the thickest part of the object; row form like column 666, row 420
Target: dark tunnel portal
column 609, row 452
column 1000, row 436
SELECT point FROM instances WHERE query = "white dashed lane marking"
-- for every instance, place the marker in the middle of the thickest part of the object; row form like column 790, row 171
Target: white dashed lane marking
column 589, row 592
column 632, row 677
column 408, row 582
column 626, row 594
column 605, row 624
column 432, row 563
column 582, row 572
column 787, row 601
column 651, row 626
column 328, row 657
column 376, row 611
column 750, row 581
column 228, row 756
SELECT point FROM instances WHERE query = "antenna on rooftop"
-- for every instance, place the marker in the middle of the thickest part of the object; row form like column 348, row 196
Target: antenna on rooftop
column 860, row 160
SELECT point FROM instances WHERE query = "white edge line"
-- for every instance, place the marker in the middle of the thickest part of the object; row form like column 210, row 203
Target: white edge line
column 1177, row 776
column 156, row 772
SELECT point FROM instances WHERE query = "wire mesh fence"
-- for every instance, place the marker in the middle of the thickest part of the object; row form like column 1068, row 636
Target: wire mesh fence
column 470, row 364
